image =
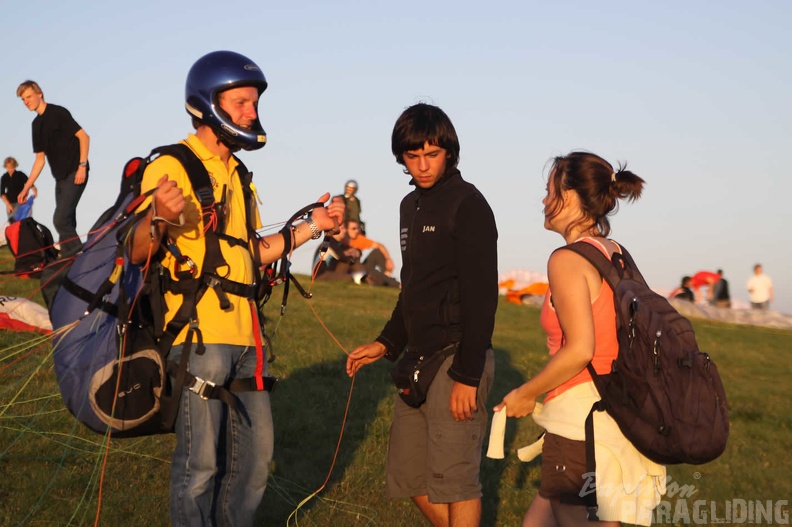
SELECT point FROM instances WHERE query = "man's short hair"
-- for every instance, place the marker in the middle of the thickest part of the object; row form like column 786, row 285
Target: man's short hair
column 12, row 161
column 33, row 85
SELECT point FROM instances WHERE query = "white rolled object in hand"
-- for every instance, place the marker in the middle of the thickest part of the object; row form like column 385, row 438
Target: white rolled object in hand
column 497, row 435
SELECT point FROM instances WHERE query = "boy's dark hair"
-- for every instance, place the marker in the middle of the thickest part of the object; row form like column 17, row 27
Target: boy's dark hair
column 423, row 123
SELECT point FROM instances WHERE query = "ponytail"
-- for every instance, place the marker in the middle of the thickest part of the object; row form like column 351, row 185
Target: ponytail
column 598, row 186
column 625, row 184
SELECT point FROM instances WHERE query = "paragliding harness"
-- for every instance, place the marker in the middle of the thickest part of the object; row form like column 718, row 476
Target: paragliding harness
column 112, row 366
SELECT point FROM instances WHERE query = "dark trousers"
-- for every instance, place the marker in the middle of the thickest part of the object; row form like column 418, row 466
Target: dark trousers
column 375, row 270
column 67, row 196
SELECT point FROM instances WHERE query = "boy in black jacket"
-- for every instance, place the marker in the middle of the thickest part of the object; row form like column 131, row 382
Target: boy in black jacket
column 448, row 301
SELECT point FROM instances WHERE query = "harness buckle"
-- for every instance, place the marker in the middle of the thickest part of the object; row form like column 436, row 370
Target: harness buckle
column 217, row 286
column 201, row 386
column 186, row 261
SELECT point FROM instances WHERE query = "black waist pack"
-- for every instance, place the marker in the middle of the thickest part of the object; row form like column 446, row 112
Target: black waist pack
column 415, row 372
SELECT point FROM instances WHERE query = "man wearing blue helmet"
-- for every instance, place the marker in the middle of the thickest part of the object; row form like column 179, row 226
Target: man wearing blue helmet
column 220, row 465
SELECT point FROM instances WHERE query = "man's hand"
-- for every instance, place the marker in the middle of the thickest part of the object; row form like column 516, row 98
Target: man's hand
column 169, row 201
column 463, row 401
column 23, row 196
column 330, row 217
column 363, row 355
column 79, row 176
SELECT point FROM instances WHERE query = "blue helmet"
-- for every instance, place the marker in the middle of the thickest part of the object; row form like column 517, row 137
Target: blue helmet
column 216, row 72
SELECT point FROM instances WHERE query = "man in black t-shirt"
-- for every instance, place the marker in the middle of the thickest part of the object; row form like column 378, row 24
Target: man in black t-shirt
column 721, row 296
column 58, row 138
column 11, row 185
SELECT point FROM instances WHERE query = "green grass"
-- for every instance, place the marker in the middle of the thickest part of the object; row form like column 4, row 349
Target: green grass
column 50, row 465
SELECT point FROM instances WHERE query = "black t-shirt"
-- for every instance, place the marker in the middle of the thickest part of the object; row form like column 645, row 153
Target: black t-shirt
column 53, row 134
column 11, row 185
column 722, row 290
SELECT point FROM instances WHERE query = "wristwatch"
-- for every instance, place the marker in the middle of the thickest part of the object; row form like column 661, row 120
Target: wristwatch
column 315, row 232
column 83, row 163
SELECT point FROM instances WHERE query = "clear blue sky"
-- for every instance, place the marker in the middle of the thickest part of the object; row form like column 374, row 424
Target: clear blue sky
column 693, row 95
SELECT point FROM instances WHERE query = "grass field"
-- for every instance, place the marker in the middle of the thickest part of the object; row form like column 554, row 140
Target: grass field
column 54, row 472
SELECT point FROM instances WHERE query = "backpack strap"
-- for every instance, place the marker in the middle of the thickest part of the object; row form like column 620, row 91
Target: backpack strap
column 591, row 461
column 609, row 269
column 612, row 271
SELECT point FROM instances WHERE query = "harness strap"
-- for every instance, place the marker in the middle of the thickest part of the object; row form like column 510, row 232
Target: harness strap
column 183, row 287
column 231, row 240
column 89, row 297
column 591, row 463
column 251, row 384
column 259, row 346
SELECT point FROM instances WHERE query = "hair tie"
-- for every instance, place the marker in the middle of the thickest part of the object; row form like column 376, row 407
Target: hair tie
column 613, row 177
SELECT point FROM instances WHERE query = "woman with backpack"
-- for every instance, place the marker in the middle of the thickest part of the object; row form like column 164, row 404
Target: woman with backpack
column 579, row 318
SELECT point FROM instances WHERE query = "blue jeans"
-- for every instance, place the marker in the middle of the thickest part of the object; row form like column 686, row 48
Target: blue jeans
column 64, row 219
column 221, row 462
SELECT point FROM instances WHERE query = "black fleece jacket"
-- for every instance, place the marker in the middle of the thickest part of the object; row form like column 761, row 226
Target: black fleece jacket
column 449, row 276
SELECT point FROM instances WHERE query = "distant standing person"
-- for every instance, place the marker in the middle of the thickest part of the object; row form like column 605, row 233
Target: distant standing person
column 58, row 138
column 11, row 185
column 445, row 311
column 352, row 203
column 721, row 296
column 760, row 287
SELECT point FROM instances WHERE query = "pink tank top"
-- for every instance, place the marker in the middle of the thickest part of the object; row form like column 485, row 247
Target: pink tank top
column 606, row 344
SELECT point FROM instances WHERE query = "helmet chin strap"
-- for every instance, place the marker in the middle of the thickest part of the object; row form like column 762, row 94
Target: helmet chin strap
column 227, row 142
column 222, row 137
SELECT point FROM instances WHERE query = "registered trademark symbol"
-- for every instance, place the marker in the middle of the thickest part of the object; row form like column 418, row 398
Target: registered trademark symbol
column 697, row 475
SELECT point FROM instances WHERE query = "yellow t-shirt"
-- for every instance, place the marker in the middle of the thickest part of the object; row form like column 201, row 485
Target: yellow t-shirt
column 234, row 325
